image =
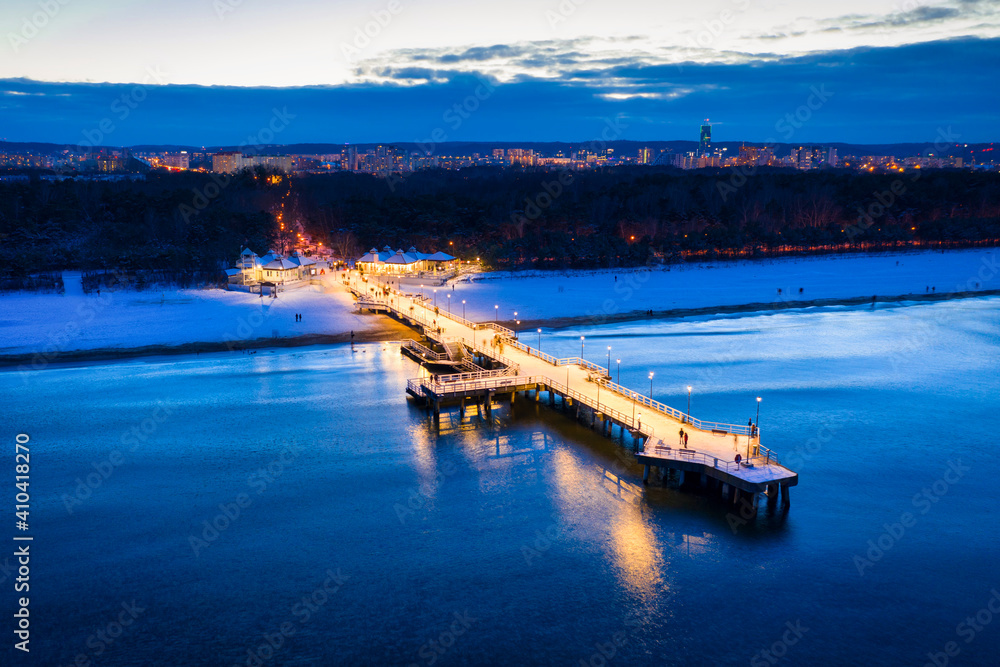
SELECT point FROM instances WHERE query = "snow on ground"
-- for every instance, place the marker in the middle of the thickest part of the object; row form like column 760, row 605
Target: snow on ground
column 52, row 323
column 49, row 323
column 544, row 295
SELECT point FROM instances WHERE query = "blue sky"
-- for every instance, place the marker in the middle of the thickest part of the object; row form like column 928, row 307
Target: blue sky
column 212, row 72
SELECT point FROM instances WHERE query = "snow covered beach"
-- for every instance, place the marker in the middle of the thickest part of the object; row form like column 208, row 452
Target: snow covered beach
column 40, row 328
column 559, row 299
column 165, row 320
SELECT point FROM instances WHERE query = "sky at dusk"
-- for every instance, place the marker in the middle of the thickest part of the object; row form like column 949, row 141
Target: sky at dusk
column 214, row 72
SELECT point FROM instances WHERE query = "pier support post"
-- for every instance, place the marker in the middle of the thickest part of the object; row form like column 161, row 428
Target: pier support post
column 772, row 496
column 552, row 398
column 461, row 408
column 513, row 394
column 645, row 474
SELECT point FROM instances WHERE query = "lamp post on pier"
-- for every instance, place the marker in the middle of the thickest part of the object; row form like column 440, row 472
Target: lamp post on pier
column 539, row 340
column 435, row 298
column 609, row 362
column 619, row 371
column 496, row 313
column 650, row 385
column 463, row 309
column 689, row 404
column 449, row 304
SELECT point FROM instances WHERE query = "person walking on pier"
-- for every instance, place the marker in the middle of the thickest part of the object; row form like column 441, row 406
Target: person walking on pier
column 681, row 437
column 685, row 441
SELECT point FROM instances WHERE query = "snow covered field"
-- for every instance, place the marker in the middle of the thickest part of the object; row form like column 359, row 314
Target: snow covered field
column 541, row 296
column 53, row 323
column 49, row 324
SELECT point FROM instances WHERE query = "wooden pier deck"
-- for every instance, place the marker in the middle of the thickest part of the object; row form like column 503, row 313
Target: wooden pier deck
column 653, row 426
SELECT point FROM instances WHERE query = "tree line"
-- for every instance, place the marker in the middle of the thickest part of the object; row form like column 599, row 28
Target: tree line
column 508, row 217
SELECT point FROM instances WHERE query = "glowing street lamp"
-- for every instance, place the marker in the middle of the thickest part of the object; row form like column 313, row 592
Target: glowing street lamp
column 496, row 313
column 756, row 422
column 539, row 340
column 463, row 309
column 689, row 403
column 609, row 361
column 435, row 298
column 449, row 304
column 581, row 348
column 619, row 369
column 650, row 385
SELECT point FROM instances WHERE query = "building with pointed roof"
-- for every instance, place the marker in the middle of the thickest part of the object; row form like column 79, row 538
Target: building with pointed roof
column 392, row 261
column 272, row 267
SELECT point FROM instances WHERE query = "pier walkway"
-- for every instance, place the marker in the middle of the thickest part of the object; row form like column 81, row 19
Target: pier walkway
column 653, row 426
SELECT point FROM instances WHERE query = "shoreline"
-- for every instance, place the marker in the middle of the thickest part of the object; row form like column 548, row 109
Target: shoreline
column 389, row 329
column 758, row 307
column 384, row 330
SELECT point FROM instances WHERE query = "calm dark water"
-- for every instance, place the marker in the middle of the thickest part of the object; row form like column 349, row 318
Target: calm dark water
column 371, row 538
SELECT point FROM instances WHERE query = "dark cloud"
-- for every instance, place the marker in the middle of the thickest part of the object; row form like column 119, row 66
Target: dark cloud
column 875, row 95
column 915, row 17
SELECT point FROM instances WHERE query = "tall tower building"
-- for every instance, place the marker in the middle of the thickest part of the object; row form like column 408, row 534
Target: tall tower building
column 706, row 139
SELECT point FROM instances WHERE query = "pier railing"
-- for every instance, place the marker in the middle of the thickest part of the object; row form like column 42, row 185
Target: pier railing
column 623, row 418
column 424, row 351
column 478, row 375
column 662, row 451
column 493, row 354
column 416, row 386
column 761, row 457
column 735, row 429
column 503, row 382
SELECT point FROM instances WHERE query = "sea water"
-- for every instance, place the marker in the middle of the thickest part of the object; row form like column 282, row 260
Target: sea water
column 292, row 507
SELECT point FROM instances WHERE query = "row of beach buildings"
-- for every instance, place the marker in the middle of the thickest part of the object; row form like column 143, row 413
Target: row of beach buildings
column 275, row 268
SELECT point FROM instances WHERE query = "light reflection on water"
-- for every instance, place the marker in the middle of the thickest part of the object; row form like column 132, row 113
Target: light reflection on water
column 539, row 527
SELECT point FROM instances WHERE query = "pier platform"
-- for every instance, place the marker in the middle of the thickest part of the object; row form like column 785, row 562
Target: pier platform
column 574, row 383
